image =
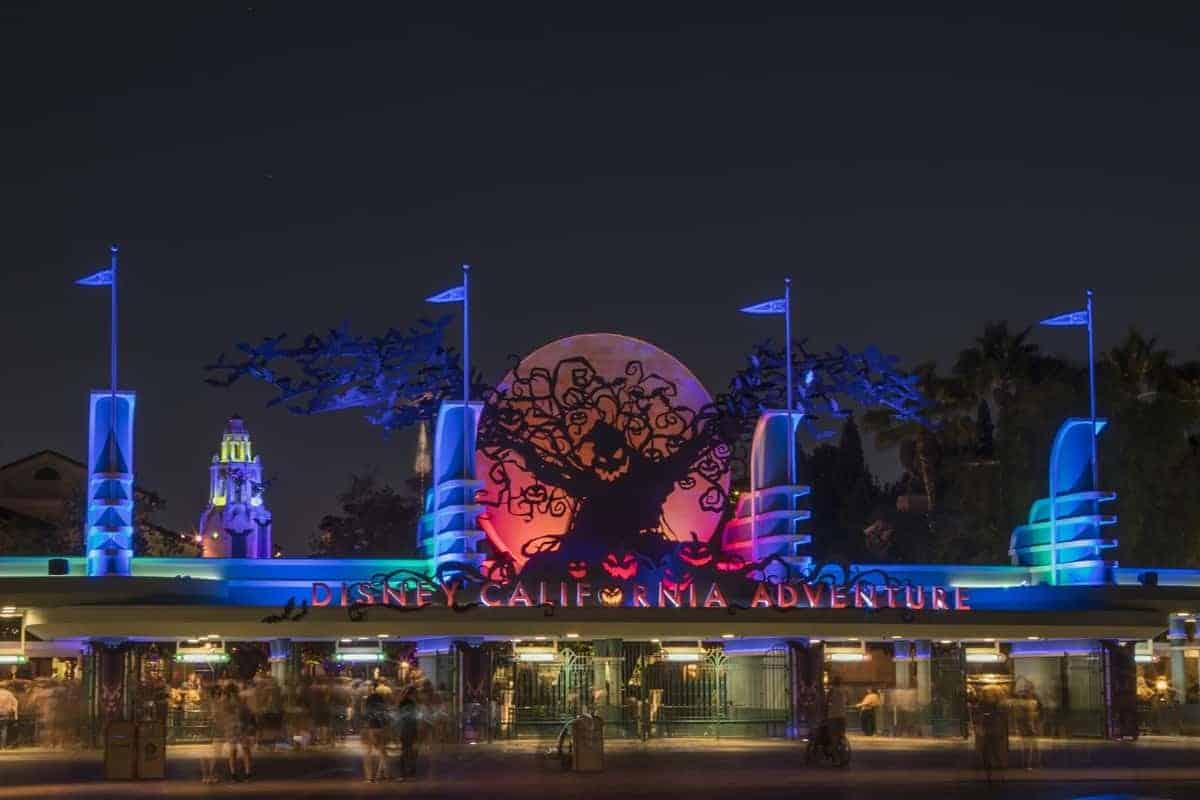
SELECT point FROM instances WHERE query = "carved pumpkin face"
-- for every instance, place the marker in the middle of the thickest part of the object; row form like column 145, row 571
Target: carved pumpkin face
column 622, row 567
column 604, row 451
column 695, row 553
column 577, row 569
column 610, row 596
column 676, row 579
column 731, row 563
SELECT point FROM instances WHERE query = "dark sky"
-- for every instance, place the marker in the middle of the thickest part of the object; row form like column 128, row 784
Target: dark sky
column 644, row 168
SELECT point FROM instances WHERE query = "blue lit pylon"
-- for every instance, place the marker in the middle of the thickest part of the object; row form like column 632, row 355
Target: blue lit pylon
column 109, row 523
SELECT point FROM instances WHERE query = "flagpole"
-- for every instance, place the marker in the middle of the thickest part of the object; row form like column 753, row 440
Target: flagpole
column 112, row 377
column 468, row 452
column 787, row 354
column 1092, row 392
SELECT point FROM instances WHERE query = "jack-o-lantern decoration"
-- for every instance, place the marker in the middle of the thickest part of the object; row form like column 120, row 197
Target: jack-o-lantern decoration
column 676, row 578
column 730, row 563
column 610, row 596
column 622, row 567
column 577, row 569
column 695, row 553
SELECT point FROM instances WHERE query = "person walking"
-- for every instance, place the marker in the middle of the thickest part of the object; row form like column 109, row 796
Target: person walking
column 1027, row 713
column 210, row 758
column 374, row 735
column 246, row 733
column 9, row 715
column 409, row 729
column 835, row 710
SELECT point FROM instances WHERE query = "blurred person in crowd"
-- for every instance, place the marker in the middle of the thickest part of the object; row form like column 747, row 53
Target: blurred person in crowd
column 297, row 715
column 1027, row 716
column 10, row 714
column 246, row 730
column 835, row 709
column 374, row 731
column 408, row 719
column 322, row 712
column 209, row 758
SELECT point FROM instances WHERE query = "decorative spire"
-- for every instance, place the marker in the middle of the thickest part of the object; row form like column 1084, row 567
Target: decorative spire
column 422, row 462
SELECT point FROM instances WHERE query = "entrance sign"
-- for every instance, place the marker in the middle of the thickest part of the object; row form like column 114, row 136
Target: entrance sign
column 409, row 594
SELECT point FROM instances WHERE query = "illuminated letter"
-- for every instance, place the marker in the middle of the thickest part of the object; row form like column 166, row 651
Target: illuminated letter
column 787, row 596
column 890, row 591
column 423, row 596
column 917, row 604
column 450, row 589
column 322, row 595
column 483, row 595
column 837, row 597
column 542, row 599
column 762, row 597
column 345, row 595
column 562, row 594
column 962, row 602
column 863, row 598
column 392, row 596
column 582, row 590
column 814, row 598
column 939, row 598
column 715, row 599
column 666, row 595
column 692, row 595
column 639, row 596
column 519, row 595
column 366, row 597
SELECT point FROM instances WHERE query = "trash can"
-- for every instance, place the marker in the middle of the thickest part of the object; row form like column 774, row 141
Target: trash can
column 151, row 750
column 587, row 733
column 120, row 752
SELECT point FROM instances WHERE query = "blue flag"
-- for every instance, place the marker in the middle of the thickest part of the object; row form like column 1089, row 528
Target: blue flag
column 776, row 306
column 1071, row 319
column 102, row 278
column 454, row 295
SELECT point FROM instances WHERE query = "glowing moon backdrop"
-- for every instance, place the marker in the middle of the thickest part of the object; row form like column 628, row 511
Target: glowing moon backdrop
column 603, row 435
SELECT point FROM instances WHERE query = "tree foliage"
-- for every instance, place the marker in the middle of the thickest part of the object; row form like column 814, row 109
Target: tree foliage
column 985, row 457
column 62, row 533
column 375, row 520
column 399, row 377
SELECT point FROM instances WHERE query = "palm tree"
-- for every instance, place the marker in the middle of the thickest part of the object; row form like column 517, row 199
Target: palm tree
column 1142, row 370
column 918, row 438
column 996, row 366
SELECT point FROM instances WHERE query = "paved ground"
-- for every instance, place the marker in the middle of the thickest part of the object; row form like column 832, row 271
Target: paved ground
column 692, row 768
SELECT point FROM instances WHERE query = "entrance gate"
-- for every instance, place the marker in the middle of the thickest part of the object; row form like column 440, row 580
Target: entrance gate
column 537, row 697
column 644, row 692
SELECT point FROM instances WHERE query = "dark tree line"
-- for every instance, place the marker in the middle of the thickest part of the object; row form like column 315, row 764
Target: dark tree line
column 970, row 476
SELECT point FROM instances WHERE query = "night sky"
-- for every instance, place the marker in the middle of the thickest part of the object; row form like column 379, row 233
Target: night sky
column 644, row 169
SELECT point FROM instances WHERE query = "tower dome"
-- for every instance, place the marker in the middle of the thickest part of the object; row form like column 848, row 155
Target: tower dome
column 236, row 523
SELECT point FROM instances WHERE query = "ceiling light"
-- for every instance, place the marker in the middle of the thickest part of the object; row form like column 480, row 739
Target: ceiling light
column 727, row 635
column 572, row 635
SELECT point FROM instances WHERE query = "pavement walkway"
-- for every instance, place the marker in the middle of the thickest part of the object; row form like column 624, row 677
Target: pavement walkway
column 691, row 768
